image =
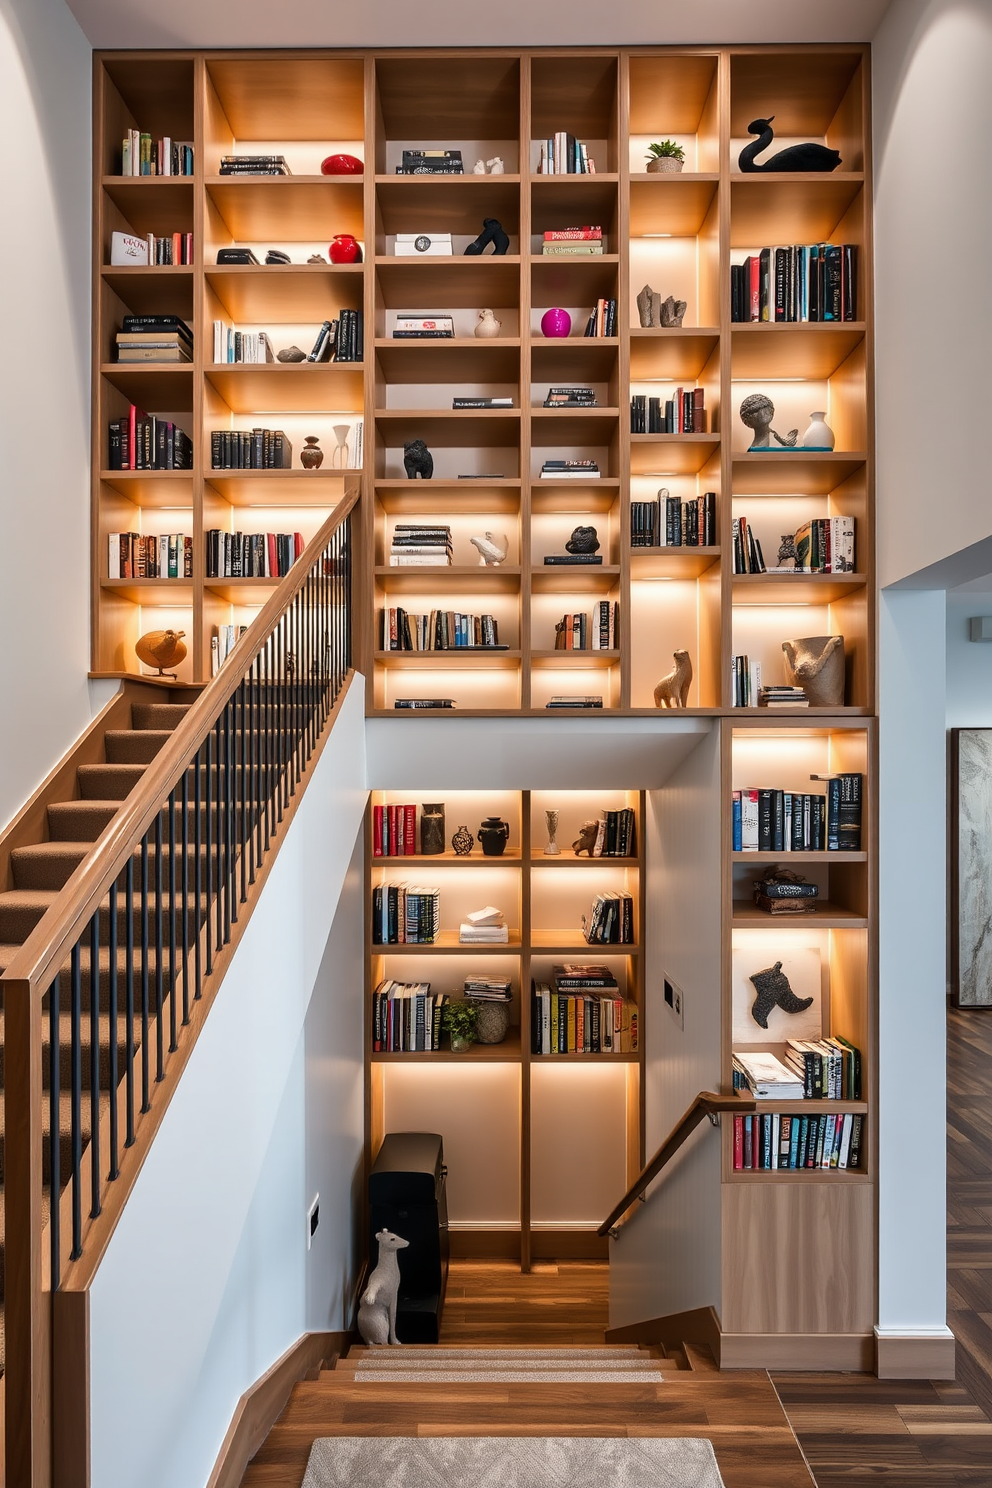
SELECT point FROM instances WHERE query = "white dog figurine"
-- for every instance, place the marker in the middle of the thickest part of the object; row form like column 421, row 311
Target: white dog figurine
column 492, row 548
column 377, row 1306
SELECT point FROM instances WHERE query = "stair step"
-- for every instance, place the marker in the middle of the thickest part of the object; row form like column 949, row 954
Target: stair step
column 158, row 715
column 134, row 746
column 50, row 865
column 8, row 952
column 80, row 821
column 413, row 1351
column 65, row 1037
column 699, row 1359
column 21, row 910
column 107, row 782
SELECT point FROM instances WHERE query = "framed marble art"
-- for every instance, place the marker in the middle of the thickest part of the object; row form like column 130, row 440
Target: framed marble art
column 971, row 867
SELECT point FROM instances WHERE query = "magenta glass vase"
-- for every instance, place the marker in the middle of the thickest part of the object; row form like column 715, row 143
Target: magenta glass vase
column 556, row 323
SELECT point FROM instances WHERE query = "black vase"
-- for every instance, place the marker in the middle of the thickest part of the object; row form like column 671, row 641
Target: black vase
column 494, row 834
column 432, row 828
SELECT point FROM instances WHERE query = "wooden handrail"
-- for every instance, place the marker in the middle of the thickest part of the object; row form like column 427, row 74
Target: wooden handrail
column 46, row 948
column 706, row 1103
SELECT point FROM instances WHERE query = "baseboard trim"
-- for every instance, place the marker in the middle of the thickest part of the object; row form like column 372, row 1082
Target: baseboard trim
column 922, row 1356
column 699, row 1326
column 569, row 1245
column 800, row 1351
column 261, row 1405
column 484, row 1245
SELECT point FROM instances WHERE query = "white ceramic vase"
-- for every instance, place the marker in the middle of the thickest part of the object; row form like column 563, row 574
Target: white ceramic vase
column 819, row 435
column 488, row 325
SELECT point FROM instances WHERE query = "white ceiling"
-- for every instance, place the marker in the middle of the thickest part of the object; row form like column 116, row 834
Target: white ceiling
column 433, row 23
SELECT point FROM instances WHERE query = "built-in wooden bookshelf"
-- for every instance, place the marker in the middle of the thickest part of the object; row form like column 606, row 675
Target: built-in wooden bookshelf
column 680, row 234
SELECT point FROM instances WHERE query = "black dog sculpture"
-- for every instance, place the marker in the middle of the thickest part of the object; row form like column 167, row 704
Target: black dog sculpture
column 773, row 990
column 417, row 460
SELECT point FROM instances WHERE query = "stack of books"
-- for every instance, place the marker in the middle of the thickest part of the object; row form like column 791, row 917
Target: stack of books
column 394, row 831
column 431, row 163
column 141, row 155
column 222, row 643
column 406, row 1018
column 418, row 546
column 581, row 1011
column 573, row 242
column 779, row 896
column 584, row 700
column 685, row 413
column 764, row 1076
column 403, row 914
column 418, row 705
column 241, row 346
column 142, row 441
column 154, row 338
column 810, row 282
column 412, row 325
column 603, row 319
column 174, row 248
column 251, row 555
column 254, row 165
column 169, row 555
column 772, row 1140
column 488, row 989
column 484, row 927
column 610, row 921
column 570, row 397
column 769, row 820
column 255, row 449
column 441, row 630
column 782, row 697
column 570, row 470
column 563, row 155
column 670, row 522
column 482, row 402
column 579, row 633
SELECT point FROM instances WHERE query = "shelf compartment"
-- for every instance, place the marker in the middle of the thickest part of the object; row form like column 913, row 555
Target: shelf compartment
column 672, row 205
column 168, row 488
column 306, row 387
column 508, row 1051
column 571, row 359
column 558, row 202
column 567, row 942
column 153, row 386
column 456, row 282
column 459, row 359
column 579, row 578
column 794, row 473
column 671, row 454
column 150, row 204
column 152, row 591
column 575, row 495
column 294, row 98
column 816, row 92
column 448, row 428
column 288, row 208
column 794, row 207
column 681, row 352
column 424, row 579
column 450, row 860
column 572, row 426
column 455, row 204
column 573, row 281
column 486, row 658
column 787, row 349
column 284, row 294
column 153, row 289
column 671, row 563
column 789, row 589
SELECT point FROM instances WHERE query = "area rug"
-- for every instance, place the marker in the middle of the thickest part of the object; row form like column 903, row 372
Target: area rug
column 512, row 1462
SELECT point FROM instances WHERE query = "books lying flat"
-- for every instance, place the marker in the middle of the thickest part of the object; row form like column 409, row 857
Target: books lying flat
column 488, row 989
column 484, row 935
column 254, row 165
column 571, row 250
column 417, row 705
column 488, row 916
column 767, row 1077
column 572, row 560
column 579, row 975
column 482, row 402
column 574, row 702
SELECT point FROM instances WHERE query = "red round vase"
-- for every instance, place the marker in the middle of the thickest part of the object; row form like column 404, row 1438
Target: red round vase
column 342, row 165
column 345, row 249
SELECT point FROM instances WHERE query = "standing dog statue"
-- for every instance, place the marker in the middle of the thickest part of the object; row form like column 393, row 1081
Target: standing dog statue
column 673, row 689
column 377, row 1305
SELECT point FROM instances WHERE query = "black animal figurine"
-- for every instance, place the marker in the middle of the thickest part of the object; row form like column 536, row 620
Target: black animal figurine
column 417, row 460
column 583, row 540
column 807, row 157
column 772, row 987
column 492, row 232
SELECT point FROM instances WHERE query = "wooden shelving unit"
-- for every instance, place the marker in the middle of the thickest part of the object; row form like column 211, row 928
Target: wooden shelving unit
column 542, row 898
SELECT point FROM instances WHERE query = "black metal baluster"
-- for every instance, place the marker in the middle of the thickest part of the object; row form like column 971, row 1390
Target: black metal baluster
column 129, row 1006
column 221, row 836
column 231, row 808
column 173, row 1011
column 95, row 1065
column 114, row 972
column 253, row 821
column 146, row 1052
column 243, row 792
column 185, row 897
column 55, row 1126
column 280, row 737
column 159, row 955
column 208, row 822
column 198, row 876
column 76, row 1097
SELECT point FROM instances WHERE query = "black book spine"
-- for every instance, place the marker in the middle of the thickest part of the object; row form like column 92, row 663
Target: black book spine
column 765, row 821
column 778, row 820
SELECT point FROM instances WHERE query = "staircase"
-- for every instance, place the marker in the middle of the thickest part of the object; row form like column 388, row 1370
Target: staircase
column 70, row 815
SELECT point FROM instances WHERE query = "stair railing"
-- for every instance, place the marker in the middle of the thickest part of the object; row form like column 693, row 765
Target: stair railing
column 706, row 1105
column 146, row 926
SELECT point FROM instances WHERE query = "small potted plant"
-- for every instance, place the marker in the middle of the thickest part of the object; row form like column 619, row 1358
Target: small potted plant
column 666, row 156
column 459, row 1021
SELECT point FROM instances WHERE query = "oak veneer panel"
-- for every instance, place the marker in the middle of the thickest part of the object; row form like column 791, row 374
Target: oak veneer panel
column 286, row 293
column 786, row 349
column 283, row 208
column 791, row 207
column 808, row 87
column 454, row 283
column 676, row 206
column 289, row 387
column 788, row 474
column 799, row 1259
column 455, row 204
column 669, row 92
column 458, row 359
column 297, row 98
column 470, row 96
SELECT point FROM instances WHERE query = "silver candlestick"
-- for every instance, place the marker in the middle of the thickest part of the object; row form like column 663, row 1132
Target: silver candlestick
column 552, row 850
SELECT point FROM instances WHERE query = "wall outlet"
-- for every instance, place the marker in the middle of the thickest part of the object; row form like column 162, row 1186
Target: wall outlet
column 674, row 1001
column 313, row 1220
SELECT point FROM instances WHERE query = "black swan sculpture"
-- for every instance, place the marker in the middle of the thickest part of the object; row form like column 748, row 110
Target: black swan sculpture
column 807, row 157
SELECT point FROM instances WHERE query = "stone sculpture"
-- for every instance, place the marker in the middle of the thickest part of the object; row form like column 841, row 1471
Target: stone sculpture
column 757, row 411
column 291, row 354
column 583, row 540
column 488, row 325
column 492, row 548
column 654, row 312
column 673, row 690
column 816, row 664
column 772, row 987
column 671, row 313
column 787, row 548
column 417, row 460
column 377, row 1305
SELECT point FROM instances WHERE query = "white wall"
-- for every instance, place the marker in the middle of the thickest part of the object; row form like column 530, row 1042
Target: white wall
column 667, row 1258
column 269, row 1111
column 969, row 663
column 45, row 120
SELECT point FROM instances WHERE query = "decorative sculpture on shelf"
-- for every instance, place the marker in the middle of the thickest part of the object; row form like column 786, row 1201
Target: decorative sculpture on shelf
column 671, row 313
column 339, row 455
column 819, row 435
column 462, row 841
column 551, row 848
column 494, row 834
column 772, row 987
column 492, row 549
column 316, row 258
column 311, row 456
column 161, row 649
column 757, row 412
column 432, row 828
column 489, row 325
column 816, row 664
column 377, row 1305
column 586, row 840
column 291, row 354
column 673, row 690
column 665, row 157
column 583, row 540
column 806, row 157
column 479, row 168
column 556, row 322
column 787, row 549
column 496, row 166
column 492, row 232
column 417, row 460
column 655, row 313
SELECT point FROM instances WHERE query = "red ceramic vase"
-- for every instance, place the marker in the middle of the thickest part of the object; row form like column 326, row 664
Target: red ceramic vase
column 341, row 165
column 345, row 249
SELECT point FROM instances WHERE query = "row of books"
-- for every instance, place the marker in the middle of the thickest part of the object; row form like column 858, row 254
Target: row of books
column 143, row 155
column 581, row 1023
column 803, row 282
column 441, row 630
column 683, row 414
column 616, row 834
column 822, row 545
column 250, row 449
column 564, row 155
column 174, row 250
column 610, row 920
column 669, row 522
column 405, row 914
column 814, row 1069
column 340, row 340
column 419, row 545
column 579, row 632
column 603, row 319
column 573, row 242
column 769, row 820
column 394, row 831
column 571, row 397
column 771, row 1140
column 745, row 684
column 586, row 469
column 251, row 555
column 130, row 555
column 406, row 1018
column 141, row 441
column 222, row 643
column 253, row 165
column 233, row 346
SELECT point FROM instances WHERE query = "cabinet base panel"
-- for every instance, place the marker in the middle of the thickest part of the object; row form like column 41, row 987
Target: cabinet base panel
column 915, row 1355
column 815, row 1351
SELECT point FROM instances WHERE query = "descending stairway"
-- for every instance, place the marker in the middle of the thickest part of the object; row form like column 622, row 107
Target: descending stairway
column 65, row 829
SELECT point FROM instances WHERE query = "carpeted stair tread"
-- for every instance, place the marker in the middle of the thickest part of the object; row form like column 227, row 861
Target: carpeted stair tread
column 413, row 1351
column 46, row 865
column 21, row 910
column 134, row 746
column 65, row 1034
column 107, row 782
column 80, row 821
column 511, row 1376
column 65, row 1144
column 158, row 715
column 8, row 952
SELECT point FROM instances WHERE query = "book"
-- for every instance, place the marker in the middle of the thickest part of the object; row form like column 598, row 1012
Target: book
column 406, row 1017
column 251, row 555
column 254, row 449
column 684, row 414
column 405, row 914
column 766, row 1077
column 141, row 155
column 415, row 705
column 670, row 522
column 482, row 402
column 610, row 920
column 253, row 165
column 584, row 701
column 562, row 154
column 141, row 441
column 440, row 630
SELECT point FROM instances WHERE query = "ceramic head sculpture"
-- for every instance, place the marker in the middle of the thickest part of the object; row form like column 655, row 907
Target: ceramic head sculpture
column 757, row 411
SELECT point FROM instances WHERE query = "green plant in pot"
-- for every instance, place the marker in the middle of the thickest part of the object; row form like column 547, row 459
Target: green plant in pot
column 459, row 1021
column 666, row 156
